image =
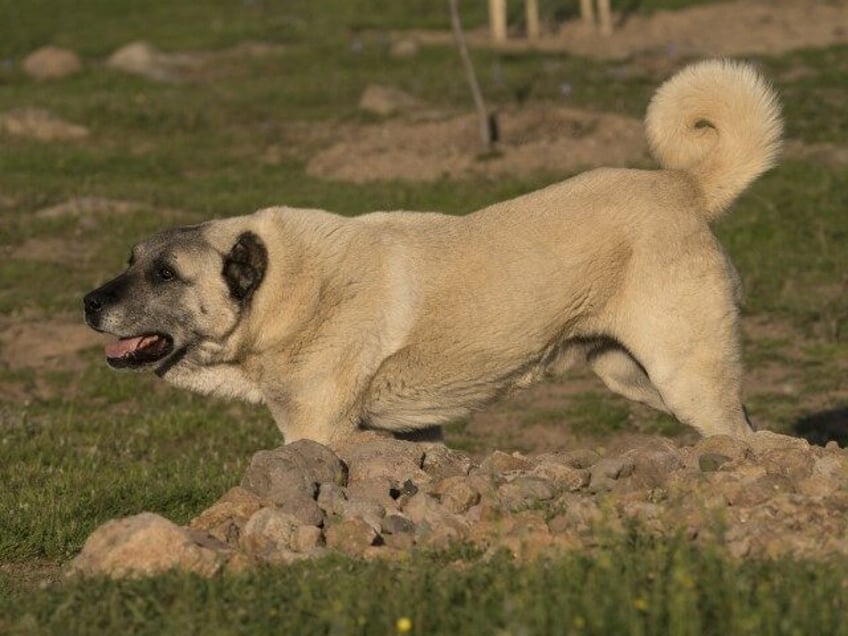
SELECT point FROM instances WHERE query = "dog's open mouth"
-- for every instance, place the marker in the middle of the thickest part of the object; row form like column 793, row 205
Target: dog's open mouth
column 139, row 350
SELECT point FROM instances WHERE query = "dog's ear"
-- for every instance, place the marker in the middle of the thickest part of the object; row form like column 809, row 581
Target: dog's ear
column 244, row 266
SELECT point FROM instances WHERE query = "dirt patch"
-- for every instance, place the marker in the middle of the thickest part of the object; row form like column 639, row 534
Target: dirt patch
column 725, row 29
column 44, row 344
column 534, row 139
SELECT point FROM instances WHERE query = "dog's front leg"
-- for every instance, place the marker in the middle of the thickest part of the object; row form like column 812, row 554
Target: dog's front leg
column 319, row 412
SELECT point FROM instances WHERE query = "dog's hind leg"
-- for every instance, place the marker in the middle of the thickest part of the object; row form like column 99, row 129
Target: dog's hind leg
column 696, row 369
column 623, row 374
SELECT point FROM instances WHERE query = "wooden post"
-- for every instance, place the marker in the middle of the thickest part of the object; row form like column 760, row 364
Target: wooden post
column 605, row 17
column 497, row 20
column 587, row 12
column 531, row 8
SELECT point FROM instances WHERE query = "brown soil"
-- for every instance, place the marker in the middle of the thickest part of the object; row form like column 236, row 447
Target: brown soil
column 534, row 139
column 726, row 29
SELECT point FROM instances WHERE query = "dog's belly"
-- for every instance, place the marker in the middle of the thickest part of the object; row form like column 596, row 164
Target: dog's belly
column 407, row 395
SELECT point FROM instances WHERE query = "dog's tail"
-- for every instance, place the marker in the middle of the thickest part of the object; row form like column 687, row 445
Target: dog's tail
column 719, row 121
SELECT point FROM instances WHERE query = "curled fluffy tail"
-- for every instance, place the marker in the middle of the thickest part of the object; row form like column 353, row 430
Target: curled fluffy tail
column 720, row 122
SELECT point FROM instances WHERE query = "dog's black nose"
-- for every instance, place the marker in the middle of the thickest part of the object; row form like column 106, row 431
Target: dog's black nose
column 93, row 303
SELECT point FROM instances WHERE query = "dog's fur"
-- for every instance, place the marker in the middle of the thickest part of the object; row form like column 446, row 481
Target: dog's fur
column 404, row 321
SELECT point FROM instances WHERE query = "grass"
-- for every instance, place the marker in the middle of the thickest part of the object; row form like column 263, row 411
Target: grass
column 631, row 586
column 80, row 444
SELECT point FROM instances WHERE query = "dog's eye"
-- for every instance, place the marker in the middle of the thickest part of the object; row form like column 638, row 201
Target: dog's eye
column 166, row 274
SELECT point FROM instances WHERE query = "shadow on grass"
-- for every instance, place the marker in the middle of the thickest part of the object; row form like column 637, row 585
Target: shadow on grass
column 821, row 428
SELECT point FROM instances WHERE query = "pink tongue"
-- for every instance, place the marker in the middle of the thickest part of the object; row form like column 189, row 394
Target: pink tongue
column 121, row 347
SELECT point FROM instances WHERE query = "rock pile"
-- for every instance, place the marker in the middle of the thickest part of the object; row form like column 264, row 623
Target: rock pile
column 767, row 495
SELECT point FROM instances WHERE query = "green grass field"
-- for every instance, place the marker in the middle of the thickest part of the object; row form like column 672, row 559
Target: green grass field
column 80, row 444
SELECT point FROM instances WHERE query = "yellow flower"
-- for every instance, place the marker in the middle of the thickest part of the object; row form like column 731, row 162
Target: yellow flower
column 403, row 625
column 641, row 604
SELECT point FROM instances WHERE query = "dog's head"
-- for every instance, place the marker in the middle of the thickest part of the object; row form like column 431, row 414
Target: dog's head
column 179, row 298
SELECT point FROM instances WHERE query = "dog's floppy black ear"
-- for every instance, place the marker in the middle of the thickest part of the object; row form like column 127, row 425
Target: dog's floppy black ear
column 245, row 265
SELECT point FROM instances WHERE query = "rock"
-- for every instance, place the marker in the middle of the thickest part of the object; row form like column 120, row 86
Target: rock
column 39, row 124
column 752, row 493
column 435, row 524
column 793, row 462
column 306, row 539
column 384, row 457
column 305, row 509
column 386, row 100
column 525, row 491
column 763, row 441
column 143, row 545
column 331, row 498
column 578, row 458
column 564, row 476
column 51, row 62
column 397, row 524
column 404, row 48
column 351, row 536
column 293, row 472
column 653, row 466
column 378, row 490
column 829, row 475
column 456, row 494
column 269, row 534
column 225, row 519
column 711, row 462
column 440, row 462
column 500, row 462
column 731, row 447
column 608, row 470
column 141, row 58
column 369, row 511
column 580, row 515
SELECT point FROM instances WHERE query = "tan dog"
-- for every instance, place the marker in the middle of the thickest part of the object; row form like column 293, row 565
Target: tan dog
column 403, row 321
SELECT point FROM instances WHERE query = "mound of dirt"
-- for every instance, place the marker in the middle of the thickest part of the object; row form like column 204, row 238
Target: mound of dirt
column 534, row 139
column 767, row 495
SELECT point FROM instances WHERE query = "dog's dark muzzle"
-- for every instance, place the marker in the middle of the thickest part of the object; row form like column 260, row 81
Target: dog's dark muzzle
column 94, row 303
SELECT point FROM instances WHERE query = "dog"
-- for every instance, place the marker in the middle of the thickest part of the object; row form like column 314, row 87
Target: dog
column 403, row 321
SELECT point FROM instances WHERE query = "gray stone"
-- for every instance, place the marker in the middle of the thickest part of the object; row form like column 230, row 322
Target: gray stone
column 440, row 462
column 563, row 475
column 608, row 470
column 305, row 509
column 331, row 498
column 525, row 491
column 268, row 534
column 387, row 458
column 378, row 490
column 397, row 524
column 369, row 511
column 293, row 472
